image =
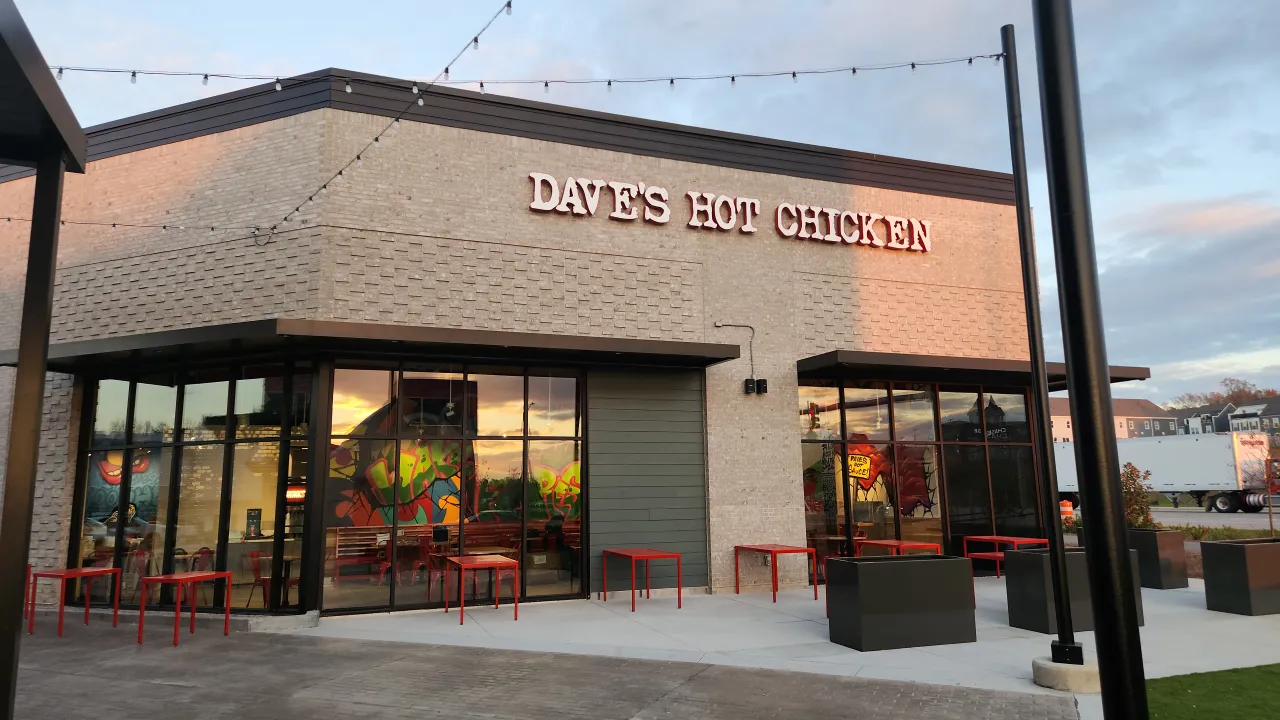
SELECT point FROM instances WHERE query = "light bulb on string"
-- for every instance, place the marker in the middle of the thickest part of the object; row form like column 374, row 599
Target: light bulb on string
column 794, row 78
column 446, row 74
column 419, row 102
column 395, row 123
column 475, row 43
column 113, row 227
column 279, row 87
column 377, row 142
column 671, row 84
column 970, row 63
column 359, row 160
column 415, row 88
column 913, row 67
column 996, row 60
column 853, row 71
column 205, row 80
column 59, row 73
column 508, row 7
column 733, row 81
column 609, row 86
column 133, row 77
column 546, row 87
column 347, row 86
column 482, row 86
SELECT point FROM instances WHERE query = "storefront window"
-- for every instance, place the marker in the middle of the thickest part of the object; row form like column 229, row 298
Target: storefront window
column 870, row 468
column 204, row 411
column 913, row 413
column 553, row 406
column 1007, row 417
column 1013, row 491
column 255, row 469
column 824, row 498
column 866, row 412
column 109, row 413
column 499, row 407
column 258, row 406
column 915, row 493
column 960, row 415
column 153, row 413
column 362, row 402
column 553, row 502
column 432, row 404
column 819, row 413
column 199, row 507
column 968, row 494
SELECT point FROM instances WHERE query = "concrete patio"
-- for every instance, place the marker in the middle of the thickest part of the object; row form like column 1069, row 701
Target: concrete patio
column 1180, row 636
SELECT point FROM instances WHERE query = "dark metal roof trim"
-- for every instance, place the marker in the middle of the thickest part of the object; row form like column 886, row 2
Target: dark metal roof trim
column 451, row 107
column 276, row 334
column 940, row 368
column 35, row 116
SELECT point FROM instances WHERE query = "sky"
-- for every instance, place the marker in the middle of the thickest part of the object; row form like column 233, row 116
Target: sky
column 1180, row 101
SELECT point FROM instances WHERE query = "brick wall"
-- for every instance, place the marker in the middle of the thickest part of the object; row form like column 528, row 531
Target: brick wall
column 434, row 229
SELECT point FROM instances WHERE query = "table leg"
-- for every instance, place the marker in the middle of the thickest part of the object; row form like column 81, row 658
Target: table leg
column 88, row 591
column 857, row 549
column 195, row 588
column 516, row 591
column 633, row 584
column 62, row 602
column 679, row 584
column 495, row 589
column 813, row 560
column 462, row 600
column 648, row 594
column 142, row 611
column 177, row 612
column 226, row 608
column 115, row 615
column 444, row 587
column 604, row 575
column 773, row 565
column 26, row 591
column 31, row 606
column 737, row 584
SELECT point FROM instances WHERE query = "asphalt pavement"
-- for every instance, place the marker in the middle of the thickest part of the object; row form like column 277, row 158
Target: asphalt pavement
column 1197, row 516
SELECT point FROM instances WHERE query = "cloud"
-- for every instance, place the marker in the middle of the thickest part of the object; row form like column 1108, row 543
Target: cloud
column 1199, row 219
column 1231, row 364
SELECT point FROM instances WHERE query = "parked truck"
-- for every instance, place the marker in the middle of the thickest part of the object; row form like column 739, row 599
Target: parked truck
column 1231, row 470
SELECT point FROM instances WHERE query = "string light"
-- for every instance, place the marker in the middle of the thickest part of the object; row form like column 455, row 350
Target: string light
column 59, row 73
column 279, row 87
column 733, row 81
column 672, row 84
column 420, row 102
column 913, row 67
column 475, row 43
column 347, row 86
column 377, row 142
column 205, row 80
column 396, row 123
column 508, row 8
column 482, row 87
column 446, row 74
column 609, row 87
column 143, row 226
column 546, row 87
column 415, row 88
column 796, row 79
column 133, row 77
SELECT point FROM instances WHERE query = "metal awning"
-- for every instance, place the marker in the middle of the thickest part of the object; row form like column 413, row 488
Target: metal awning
column 35, row 119
column 860, row 365
column 280, row 335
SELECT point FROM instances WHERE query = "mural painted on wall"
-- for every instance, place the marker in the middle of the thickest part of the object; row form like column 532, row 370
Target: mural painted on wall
column 425, row 478
column 561, row 489
column 102, row 498
column 914, row 487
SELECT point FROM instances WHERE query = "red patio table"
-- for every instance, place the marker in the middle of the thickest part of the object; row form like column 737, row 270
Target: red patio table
column 180, row 580
column 87, row 574
column 645, row 554
column 998, row 555
column 895, row 546
column 483, row 562
column 773, row 551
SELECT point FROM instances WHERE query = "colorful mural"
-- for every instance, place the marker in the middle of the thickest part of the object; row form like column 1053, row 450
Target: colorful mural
column 560, row 490
column 425, row 479
column 106, row 471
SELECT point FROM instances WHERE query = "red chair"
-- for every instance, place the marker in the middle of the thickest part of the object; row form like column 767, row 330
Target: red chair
column 255, row 566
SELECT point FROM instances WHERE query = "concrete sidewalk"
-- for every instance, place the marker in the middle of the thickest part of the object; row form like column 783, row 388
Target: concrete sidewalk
column 1180, row 636
column 99, row 672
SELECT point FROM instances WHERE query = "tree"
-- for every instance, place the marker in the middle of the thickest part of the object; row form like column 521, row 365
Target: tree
column 1137, row 496
column 1234, row 391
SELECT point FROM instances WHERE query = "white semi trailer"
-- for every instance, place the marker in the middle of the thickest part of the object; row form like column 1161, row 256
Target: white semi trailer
column 1230, row 469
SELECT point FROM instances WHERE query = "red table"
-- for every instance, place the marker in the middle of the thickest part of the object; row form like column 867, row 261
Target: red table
column 998, row 540
column 895, row 546
column 482, row 562
column 645, row 554
column 87, row 574
column 773, row 551
column 180, row 580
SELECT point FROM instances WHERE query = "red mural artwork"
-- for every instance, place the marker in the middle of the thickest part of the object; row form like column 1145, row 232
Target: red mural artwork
column 909, row 485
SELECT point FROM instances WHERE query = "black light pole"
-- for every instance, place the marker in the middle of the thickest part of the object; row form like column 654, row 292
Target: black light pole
column 1115, row 613
column 1065, row 649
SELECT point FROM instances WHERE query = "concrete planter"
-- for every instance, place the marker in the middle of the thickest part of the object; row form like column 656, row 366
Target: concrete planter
column 1162, row 558
column 1242, row 576
column 887, row 602
column 1029, row 589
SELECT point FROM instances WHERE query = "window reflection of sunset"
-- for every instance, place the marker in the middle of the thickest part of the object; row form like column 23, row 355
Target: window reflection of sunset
column 351, row 410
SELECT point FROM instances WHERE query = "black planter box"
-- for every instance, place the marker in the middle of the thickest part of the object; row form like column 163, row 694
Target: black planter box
column 886, row 602
column 1162, row 558
column 1029, row 588
column 1242, row 576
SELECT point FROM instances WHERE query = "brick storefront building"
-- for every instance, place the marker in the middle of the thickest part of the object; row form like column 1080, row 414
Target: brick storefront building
column 434, row 355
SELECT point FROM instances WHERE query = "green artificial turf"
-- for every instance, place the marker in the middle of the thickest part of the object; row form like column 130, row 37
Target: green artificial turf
column 1244, row 694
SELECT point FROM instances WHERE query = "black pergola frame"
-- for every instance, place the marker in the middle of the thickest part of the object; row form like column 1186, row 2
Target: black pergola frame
column 37, row 129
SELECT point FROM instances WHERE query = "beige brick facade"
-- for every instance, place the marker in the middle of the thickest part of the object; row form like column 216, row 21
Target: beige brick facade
column 434, row 229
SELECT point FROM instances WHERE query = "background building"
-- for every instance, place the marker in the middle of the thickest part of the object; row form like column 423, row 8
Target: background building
column 1134, row 418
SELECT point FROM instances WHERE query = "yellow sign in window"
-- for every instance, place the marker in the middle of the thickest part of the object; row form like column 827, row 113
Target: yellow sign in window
column 859, row 466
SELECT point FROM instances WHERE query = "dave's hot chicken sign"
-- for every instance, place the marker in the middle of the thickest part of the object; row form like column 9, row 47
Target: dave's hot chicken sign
column 638, row 202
